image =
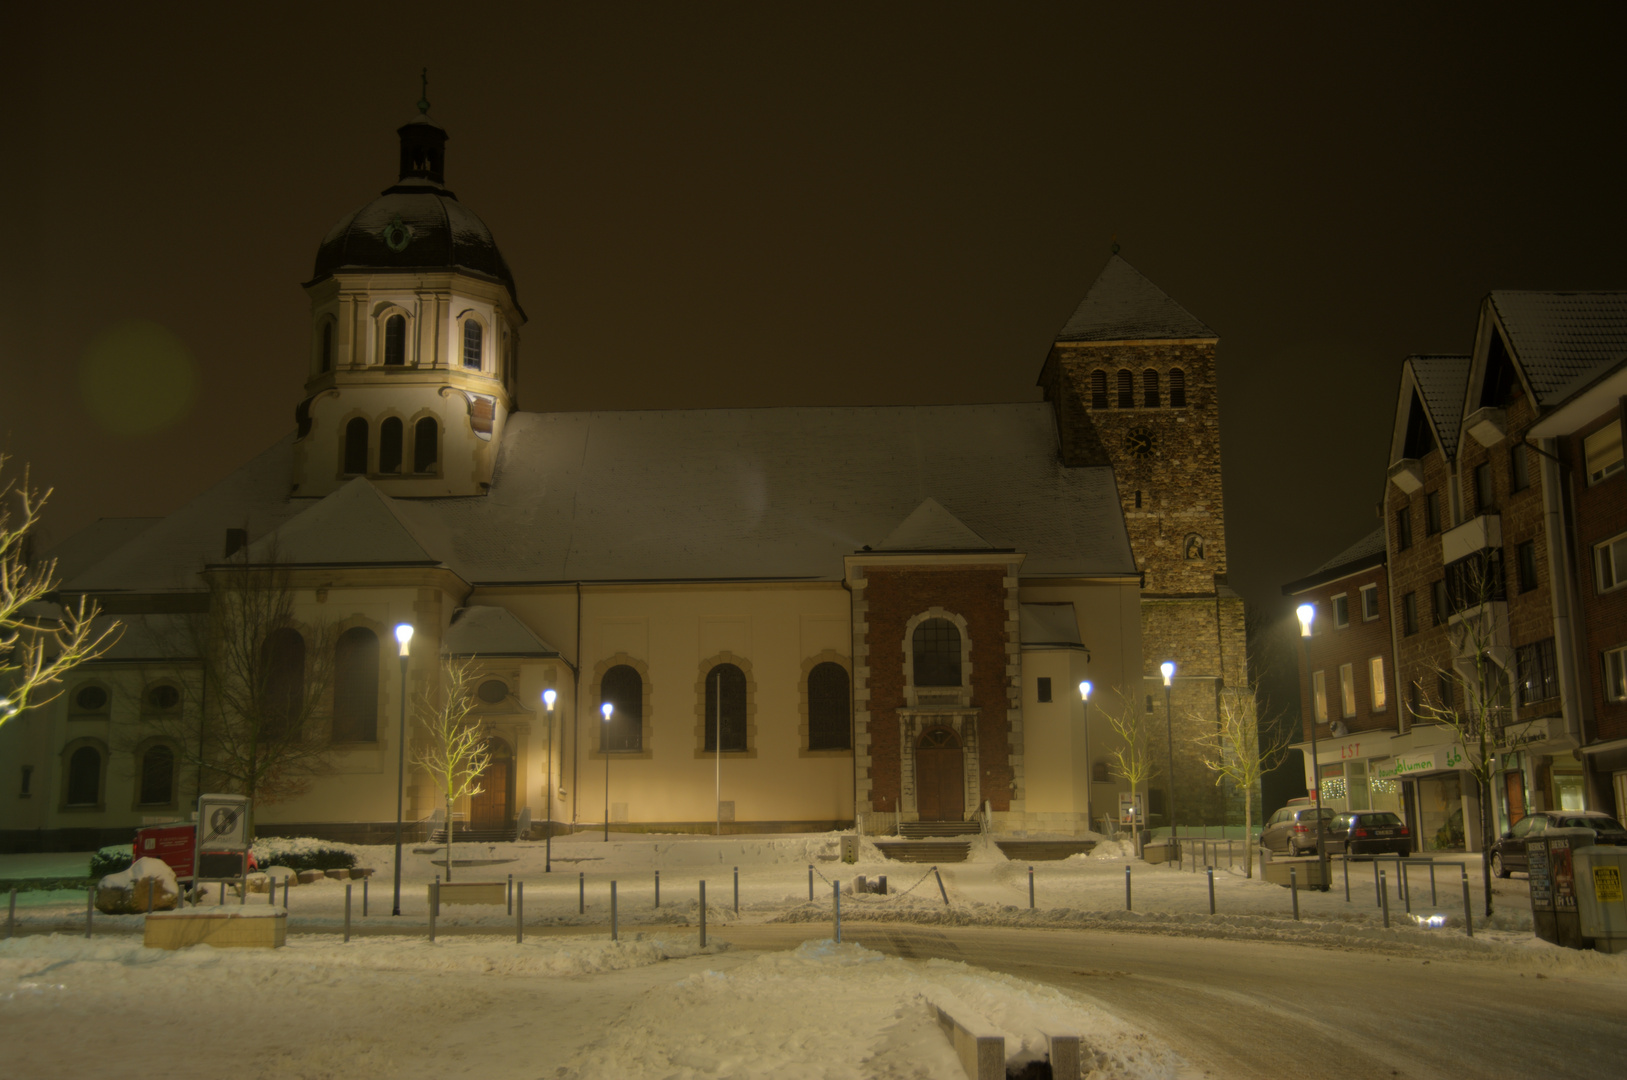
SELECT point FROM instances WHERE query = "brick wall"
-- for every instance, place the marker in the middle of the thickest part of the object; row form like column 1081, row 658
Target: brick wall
column 1415, row 570
column 1356, row 644
column 1600, row 513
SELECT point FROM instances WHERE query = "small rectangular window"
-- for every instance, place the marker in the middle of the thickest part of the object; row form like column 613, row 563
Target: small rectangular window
column 1603, row 450
column 1341, row 611
column 1439, row 610
column 1044, row 688
column 1482, row 489
column 1409, row 613
column 1525, row 558
column 1615, row 674
column 1432, row 513
column 1519, row 468
column 1347, row 689
column 1319, row 695
column 1403, row 528
column 1610, row 563
column 1369, row 602
column 1375, row 671
column 1149, row 703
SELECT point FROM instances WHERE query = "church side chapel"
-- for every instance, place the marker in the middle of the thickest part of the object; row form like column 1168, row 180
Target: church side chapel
column 773, row 619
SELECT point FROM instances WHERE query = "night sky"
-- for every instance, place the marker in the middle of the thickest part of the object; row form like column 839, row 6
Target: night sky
column 709, row 205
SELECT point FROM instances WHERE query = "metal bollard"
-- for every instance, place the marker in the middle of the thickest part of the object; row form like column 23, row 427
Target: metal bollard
column 810, row 883
column 287, row 883
column 943, row 892
column 511, row 894
column 1127, row 888
column 364, row 898
column 271, row 890
column 1378, row 885
column 1030, row 888
column 658, row 889
column 737, row 890
column 1211, row 871
column 1468, row 910
column 519, row 914
column 612, row 911
column 1406, row 890
column 90, row 907
column 1384, row 894
column 581, row 892
column 347, row 913
column 1345, row 858
column 703, row 914
column 11, row 915
column 1433, row 902
column 434, row 905
column 1293, row 887
column 836, row 895
column 220, row 895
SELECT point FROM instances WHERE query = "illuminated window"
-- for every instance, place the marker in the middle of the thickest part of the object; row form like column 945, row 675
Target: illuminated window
column 1375, row 672
column 1319, row 695
column 829, row 709
column 1127, row 389
column 1177, row 388
column 1615, row 674
column 426, row 445
column 1098, row 389
column 390, row 437
column 1149, row 389
column 472, row 335
column 356, row 447
column 1603, row 452
column 1347, row 689
column 395, row 339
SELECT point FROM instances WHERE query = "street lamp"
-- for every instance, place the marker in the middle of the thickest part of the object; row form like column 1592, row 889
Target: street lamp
column 608, row 710
column 548, row 699
column 1307, row 616
column 1084, row 696
column 403, row 634
column 1168, row 670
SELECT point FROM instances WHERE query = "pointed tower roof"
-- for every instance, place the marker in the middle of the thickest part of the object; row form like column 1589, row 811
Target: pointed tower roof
column 1122, row 305
column 932, row 528
column 357, row 525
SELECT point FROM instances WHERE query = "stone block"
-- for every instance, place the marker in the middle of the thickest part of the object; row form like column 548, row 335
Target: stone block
column 223, row 928
column 306, row 877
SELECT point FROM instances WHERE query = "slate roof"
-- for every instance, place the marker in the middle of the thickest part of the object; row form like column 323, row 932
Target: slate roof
column 1563, row 340
column 480, row 630
column 1122, row 305
column 1048, row 624
column 932, row 528
column 676, row 495
column 1443, row 382
column 95, row 542
column 1368, row 551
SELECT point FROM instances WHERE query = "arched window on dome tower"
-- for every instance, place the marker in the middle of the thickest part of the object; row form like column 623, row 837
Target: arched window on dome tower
column 356, row 447
column 426, row 445
column 391, row 436
column 395, row 339
column 473, row 342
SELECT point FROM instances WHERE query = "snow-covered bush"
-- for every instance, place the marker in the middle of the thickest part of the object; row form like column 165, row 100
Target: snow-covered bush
column 112, row 859
column 302, row 853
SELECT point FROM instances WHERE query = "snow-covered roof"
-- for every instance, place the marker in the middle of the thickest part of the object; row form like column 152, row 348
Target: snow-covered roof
column 932, row 528
column 1563, row 339
column 671, row 495
column 1367, row 552
column 1048, row 624
column 95, row 542
column 1122, row 305
column 480, row 630
column 1442, row 382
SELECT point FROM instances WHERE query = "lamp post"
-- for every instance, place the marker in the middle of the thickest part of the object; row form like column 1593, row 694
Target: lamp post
column 1167, row 668
column 1084, row 696
column 403, row 634
column 608, row 710
column 1307, row 616
column 548, row 699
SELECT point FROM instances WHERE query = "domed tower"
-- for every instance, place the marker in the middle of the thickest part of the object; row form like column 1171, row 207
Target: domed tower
column 415, row 336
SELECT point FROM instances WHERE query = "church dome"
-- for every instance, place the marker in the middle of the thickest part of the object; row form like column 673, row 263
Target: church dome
column 415, row 224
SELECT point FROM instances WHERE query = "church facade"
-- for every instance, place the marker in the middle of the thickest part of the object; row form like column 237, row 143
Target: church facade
column 799, row 618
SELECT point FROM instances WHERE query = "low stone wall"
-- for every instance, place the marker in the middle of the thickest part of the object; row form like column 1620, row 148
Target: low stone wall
column 222, row 928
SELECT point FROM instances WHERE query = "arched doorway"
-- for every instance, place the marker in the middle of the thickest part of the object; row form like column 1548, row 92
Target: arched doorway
column 940, row 776
column 493, row 808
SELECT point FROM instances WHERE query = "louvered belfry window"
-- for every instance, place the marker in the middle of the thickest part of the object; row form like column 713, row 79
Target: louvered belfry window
column 1127, row 389
column 1177, row 388
column 1149, row 388
column 1098, row 389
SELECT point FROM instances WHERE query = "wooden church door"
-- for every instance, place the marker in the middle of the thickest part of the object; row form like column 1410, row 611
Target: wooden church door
column 492, row 808
column 940, row 783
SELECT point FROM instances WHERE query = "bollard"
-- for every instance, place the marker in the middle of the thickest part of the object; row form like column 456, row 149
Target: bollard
column 519, row 914
column 90, row 907
column 1345, row 858
column 836, row 896
column 1406, row 887
column 271, row 893
column 434, row 905
column 287, row 883
column 1030, row 888
column 1433, row 902
column 658, row 889
column 943, row 892
column 1384, row 895
column 737, row 890
column 1211, row 871
column 220, row 896
column 364, row 898
column 347, row 913
column 511, row 894
column 810, row 883
column 1127, row 888
column 703, row 914
column 1293, row 887
column 1468, row 911
column 581, row 892
column 612, row 911
column 1378, row 886
column 11, row 914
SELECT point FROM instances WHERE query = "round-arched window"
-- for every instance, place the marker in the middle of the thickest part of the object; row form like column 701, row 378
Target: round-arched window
column 937, row 653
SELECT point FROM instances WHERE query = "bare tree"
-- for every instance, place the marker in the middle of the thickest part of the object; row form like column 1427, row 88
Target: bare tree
column 37, row 647
column 1235, row 747
column 258, row 721
column 454, row 746
column 1133, row 760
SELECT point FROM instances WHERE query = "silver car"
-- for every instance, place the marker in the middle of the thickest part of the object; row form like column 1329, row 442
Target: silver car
column 1292, row 830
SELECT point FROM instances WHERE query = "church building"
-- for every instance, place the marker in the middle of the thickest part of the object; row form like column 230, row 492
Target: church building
column 801, row 618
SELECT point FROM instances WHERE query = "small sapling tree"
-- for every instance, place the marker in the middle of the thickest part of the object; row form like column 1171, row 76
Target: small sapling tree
column 1235, row 748
column 453, row 747
column 1132, row 760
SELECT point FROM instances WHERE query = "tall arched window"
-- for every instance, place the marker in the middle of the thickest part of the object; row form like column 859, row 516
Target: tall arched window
column 1127, row 389
column 395, row 339
column 327, row 345
column 937, row 653
column 1098, row 389
column 1149, row 389
column 356, row 447
column 283, row 663
column 426, row 445
column 726, row 701
column 623, row 687
column 1177, row 388
column 85, row 777
column 157, row 776
column 390, row 439
column 472, row 340
column 829, row 707
column 356, row 686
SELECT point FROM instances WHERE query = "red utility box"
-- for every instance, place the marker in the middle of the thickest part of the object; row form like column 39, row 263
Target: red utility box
column 173, row 842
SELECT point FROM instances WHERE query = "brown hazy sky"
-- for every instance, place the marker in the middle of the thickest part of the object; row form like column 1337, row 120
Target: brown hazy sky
column 773, row 204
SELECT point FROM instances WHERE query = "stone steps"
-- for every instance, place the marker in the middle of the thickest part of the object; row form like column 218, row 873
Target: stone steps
column 925, row 851
column 1044, row 850
column 914, row 830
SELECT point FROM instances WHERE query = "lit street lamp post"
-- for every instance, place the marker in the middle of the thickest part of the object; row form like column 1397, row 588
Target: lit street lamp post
column 1167, row 668
column 548, row 699
column 1307, row 616
column 1084, row 696
column 608, row 710
column 403, row 634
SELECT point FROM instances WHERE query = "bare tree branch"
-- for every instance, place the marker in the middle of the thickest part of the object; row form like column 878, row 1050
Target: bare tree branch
column 1133, row 759
column 1234, row 747
column 453, row 748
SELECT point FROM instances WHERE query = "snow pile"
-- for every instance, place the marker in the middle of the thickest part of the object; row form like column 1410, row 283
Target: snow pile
column 148, row 881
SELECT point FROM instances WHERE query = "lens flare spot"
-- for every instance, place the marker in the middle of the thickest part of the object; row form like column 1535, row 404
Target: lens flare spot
column 137, row 378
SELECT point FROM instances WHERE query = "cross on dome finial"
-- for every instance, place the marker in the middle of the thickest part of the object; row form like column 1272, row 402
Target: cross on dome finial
column 423, row 100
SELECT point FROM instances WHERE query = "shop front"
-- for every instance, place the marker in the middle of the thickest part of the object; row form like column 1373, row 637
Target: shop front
column 1428, row 785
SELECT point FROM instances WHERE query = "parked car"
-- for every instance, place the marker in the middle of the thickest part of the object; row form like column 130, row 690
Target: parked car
column 1369, row 832
column 1292, row 830
column 1509, row 853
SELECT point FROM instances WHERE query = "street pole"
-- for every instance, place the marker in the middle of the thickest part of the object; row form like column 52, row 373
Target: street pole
column 1307, row 616
column 403, row 634
column 548, row 698
column 608, row 710
column 1168, row 670
column 1084, row 695
column 717, row 732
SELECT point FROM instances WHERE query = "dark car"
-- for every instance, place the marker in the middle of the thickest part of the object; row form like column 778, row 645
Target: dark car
column 1509, row 853
column 1292, row 830
column 1369, row 832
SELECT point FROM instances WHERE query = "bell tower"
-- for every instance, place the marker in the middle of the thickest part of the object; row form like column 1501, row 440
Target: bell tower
column 415, row 339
